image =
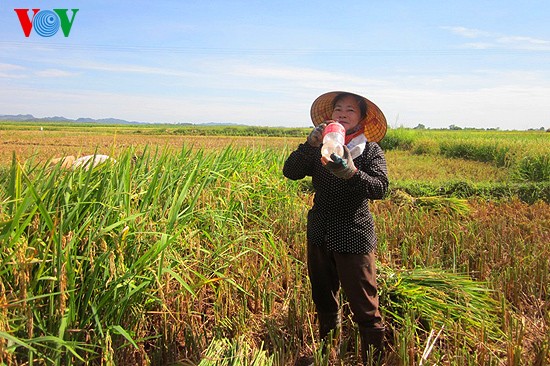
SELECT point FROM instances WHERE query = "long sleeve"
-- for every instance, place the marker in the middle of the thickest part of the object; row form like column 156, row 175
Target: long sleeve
column 371, row 179
column 301, row 162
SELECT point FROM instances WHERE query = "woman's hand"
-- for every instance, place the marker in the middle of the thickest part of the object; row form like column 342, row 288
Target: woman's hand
column 342, row 167
column 315, row 138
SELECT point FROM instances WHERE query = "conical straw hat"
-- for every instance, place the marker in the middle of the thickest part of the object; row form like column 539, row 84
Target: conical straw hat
column 375, row 122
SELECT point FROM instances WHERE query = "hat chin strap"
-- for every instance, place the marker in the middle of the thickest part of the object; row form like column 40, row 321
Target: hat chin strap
column 355, row 129
column 354, row 132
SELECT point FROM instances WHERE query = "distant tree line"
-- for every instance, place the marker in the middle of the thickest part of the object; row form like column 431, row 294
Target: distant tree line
column 421, row 126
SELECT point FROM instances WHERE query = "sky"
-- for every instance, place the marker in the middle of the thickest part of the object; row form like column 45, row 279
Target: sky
column 471, row 64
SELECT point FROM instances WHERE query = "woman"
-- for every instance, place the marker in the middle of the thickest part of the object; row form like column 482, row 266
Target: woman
column 341, row 238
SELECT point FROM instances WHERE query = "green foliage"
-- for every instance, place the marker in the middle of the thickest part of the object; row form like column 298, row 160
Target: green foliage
column 469, row 150
column 231, row 130
column 425, row 147
column 77, row 242
column 225, row 352
column 527, row 192
column 443, row 205
column 441, row 299
column 535, row 168
column 160, row 129
column 400, row 138
column 90, row 256
column 201, row 256
column 526, row 153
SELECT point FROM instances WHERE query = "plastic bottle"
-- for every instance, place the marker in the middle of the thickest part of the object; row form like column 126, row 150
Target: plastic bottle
column 333, row 140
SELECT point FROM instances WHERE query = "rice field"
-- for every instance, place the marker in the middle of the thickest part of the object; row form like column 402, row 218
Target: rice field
column 190, row 250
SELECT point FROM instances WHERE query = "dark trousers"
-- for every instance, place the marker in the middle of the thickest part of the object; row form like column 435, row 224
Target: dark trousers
column 355, row 274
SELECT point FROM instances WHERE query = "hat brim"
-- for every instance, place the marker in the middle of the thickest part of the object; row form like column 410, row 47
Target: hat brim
column 374, row 122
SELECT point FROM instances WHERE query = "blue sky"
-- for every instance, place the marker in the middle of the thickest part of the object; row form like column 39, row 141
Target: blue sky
column 483, row 64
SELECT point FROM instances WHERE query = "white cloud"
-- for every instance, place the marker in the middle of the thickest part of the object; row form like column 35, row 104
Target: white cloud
column 496, row 40
column 54, row 73
column 131, row 68
column 468, row 32
column 486, row 98
column 478, row 45
column 11, row 71
column 507, row 107
column 273, row 94
column 526, row 43
column 10, row 67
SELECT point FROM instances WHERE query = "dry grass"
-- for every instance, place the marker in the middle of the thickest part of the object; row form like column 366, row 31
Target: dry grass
column 435, row 168
column 44, row 145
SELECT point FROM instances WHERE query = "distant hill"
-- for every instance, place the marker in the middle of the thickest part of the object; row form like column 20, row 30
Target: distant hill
column 108, row 121
column 31, row 118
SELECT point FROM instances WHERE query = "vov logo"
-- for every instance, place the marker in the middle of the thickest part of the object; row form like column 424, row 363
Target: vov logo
column 46, row 23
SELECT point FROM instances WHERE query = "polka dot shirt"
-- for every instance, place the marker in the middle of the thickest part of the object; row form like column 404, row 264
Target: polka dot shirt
column 340, row 216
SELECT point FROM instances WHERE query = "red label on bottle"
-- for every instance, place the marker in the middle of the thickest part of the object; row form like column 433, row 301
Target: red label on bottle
column 334, row 127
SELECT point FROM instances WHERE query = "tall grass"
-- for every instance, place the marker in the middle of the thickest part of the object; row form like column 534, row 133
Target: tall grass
column 534, row 168
column 524, row 153
column 94, row 261
column 191, row 257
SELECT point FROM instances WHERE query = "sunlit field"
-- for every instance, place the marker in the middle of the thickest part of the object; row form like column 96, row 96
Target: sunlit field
column 190, row 248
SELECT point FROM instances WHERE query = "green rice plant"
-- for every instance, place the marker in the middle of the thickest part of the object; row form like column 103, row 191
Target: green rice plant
column 414, row 188
column 425, row 147
column 475, row 150
column 436, row 169
column 459, row 188
column 503, row 244
column 237, row 352
column 533, row 192
column 74, row 237
column 399, row 138
column 439, row 204
column 529, row 192
column 442, row 301
column 535, row 168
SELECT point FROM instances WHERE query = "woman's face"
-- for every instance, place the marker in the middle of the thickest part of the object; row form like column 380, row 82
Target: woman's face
column 347, row 112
